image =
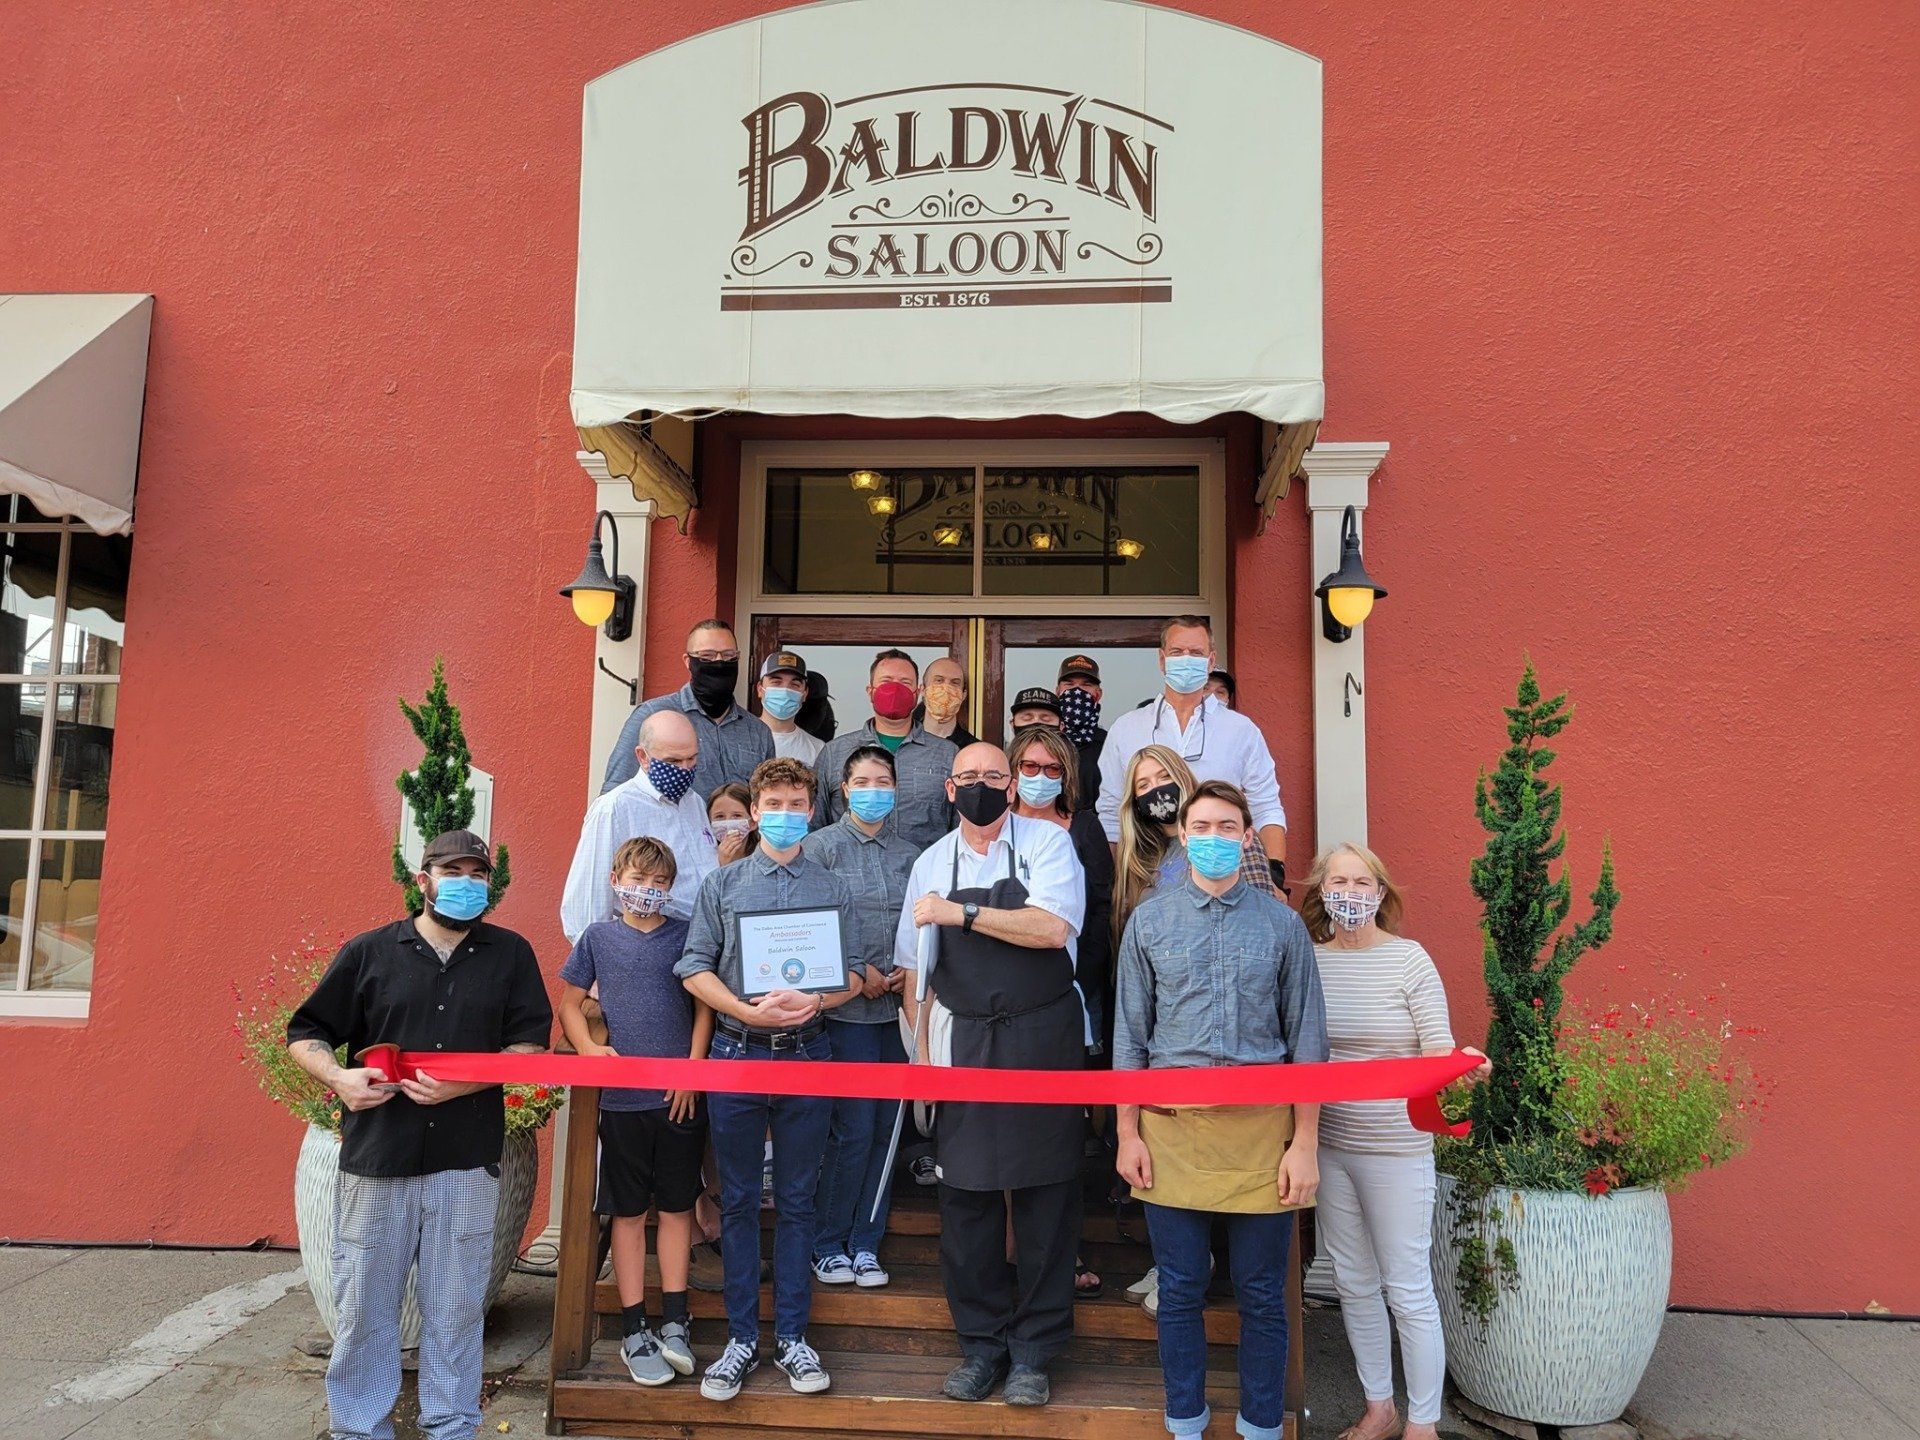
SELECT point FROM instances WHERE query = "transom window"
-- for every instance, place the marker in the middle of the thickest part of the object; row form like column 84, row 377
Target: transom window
column 63, row 592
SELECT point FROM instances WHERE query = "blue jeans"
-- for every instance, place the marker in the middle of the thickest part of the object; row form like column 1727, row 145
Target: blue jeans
column 739, row 1126
column 1258, row 1258
column 857, row 1152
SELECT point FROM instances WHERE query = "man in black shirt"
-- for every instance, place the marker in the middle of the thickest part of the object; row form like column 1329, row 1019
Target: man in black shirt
column 1080, row 693
column 420, row 1162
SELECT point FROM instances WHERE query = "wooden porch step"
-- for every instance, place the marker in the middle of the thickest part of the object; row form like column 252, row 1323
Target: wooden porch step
column 916, row 1300
column 875, row 1395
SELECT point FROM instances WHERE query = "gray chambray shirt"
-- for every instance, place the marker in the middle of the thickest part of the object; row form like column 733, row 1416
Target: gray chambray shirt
column 875, row 868
column 755, row 882
column 729, row 747
column 1216, row 980
column 920, row 769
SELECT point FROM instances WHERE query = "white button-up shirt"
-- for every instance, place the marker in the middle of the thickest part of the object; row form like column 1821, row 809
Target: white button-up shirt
column 1043, row 861
column 631, row 809
column 1218, row 743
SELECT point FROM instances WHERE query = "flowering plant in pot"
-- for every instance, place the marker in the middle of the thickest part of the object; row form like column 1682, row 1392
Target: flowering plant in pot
column 261, row 1028
column 1552, row 1238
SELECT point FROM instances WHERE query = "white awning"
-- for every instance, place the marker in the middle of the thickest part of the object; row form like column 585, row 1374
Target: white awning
column 966, row 208
column 73, row 379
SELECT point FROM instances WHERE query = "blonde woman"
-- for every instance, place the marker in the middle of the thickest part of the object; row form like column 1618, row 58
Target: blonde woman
column 1148, row 852
column 1384, row 1001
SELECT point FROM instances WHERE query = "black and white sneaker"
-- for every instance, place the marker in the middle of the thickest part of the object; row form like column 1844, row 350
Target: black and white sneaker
column 867, row 1273
column 925, row 1170
column 833, row 1270
column 801, row 1365
column 725, row 1375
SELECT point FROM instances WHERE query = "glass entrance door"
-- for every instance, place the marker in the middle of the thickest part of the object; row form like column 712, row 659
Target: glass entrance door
column 1001, row 657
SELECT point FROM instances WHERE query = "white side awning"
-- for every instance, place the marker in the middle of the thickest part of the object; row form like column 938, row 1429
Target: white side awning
column 73, row 381
column 976, row 209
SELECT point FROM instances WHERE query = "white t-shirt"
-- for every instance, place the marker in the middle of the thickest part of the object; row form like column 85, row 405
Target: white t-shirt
column 1218, row 743
column 797, row 744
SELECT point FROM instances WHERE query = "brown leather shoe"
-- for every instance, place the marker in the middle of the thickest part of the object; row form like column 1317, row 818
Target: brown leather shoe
column 704, row 1270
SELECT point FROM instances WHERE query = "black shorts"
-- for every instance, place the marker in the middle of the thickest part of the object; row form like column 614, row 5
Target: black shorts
column 649, row 1163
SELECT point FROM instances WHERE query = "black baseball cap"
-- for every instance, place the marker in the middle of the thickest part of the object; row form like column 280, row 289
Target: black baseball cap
column 453, row 845
column 783, row 660
column 1035, row 697
column 1082, row 666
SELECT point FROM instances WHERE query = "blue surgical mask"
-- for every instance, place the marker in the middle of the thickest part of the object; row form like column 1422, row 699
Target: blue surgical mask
column 459, row 897
column 782, row 829
column 781, row 704
column 870, row 804
column 1214, row 856
column 1186, row 673
column 1038, row 790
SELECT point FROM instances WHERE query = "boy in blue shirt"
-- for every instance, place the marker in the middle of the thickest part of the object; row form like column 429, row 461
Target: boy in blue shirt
column 651, row 1141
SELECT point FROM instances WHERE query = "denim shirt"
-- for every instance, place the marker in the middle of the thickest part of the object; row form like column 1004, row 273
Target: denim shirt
column 729, row 747
column 1216, row 980
column 875, row 868
column 920, row 768
column 756, row 882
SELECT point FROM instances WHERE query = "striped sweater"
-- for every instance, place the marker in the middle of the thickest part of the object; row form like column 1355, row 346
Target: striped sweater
column 1383, row 1003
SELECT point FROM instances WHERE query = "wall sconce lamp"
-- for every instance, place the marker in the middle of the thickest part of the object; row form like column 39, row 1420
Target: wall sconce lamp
column 948, row 535
column 882, row 504
column 865, row 479
column 599, row 598
column 1129, row 549
column 1347, row 595
column 1040, row 539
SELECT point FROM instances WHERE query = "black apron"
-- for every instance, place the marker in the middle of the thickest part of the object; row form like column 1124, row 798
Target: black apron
column 1013, row 1008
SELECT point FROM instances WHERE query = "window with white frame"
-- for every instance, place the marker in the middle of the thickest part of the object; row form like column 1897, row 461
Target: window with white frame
column 63, row 593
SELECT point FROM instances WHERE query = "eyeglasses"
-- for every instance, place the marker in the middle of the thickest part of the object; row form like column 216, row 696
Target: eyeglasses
column 1048, row 769
column 713, row 655
column 982, row 777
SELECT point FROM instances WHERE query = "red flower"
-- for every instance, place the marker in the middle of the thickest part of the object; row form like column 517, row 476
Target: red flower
column 1597, row 1182
column 540, row 1092
column 514, row 1102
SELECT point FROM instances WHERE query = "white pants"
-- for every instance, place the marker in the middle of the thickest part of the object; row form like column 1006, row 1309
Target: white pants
column 1375, row 1218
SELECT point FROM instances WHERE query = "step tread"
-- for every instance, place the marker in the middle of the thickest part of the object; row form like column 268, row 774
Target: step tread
column 892, row 1393
column 916, row 1299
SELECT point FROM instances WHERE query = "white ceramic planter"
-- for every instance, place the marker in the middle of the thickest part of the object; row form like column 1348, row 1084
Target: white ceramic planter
column 1569, row 1346
column 315, row 1178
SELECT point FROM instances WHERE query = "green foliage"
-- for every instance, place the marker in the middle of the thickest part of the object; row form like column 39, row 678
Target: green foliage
column 1524, row 904
column 440, row 789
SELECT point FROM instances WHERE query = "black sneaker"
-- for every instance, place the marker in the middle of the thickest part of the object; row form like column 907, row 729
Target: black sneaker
column 725, row 1375
column 800, row 1363
column 1027, row 1386
column 973, row 1379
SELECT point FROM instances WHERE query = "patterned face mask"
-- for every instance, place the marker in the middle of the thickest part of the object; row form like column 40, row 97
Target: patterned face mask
column 1079, row 715
column 1351, row 909
column 640, row 899
column 672, row 781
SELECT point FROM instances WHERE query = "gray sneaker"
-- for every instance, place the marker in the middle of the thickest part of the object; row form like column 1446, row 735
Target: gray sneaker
column 674, row 1347
column 645, row 1363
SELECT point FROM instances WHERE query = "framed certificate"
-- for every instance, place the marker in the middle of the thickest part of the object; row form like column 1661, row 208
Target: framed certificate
column 791, row 950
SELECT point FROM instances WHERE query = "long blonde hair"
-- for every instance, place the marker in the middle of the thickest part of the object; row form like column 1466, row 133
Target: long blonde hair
column 1313, row 909
column 1137, row 857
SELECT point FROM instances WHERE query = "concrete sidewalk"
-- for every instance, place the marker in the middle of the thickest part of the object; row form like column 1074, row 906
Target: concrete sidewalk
column 158, row 1344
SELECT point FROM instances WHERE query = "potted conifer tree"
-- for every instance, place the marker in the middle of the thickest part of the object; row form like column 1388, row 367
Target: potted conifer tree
column 1552, row 1245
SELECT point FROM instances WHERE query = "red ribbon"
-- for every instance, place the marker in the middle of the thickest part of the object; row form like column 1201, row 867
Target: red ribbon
column 1418, row 1081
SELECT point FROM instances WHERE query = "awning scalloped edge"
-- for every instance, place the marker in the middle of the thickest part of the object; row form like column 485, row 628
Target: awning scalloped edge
column 633, row 454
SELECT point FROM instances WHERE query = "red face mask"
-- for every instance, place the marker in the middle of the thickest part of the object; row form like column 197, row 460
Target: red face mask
column 893, row 700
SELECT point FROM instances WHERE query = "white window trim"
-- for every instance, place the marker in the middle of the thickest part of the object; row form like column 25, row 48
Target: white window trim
column 757, row 458
column 16, row 1001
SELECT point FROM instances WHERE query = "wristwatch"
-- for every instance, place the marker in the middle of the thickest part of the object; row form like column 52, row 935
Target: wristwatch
column 970, row 912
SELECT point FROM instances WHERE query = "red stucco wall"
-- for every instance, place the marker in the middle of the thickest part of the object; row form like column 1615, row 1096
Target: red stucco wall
column 1628, row 288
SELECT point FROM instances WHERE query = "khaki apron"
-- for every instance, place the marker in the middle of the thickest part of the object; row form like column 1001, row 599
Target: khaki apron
column 1224, row 1158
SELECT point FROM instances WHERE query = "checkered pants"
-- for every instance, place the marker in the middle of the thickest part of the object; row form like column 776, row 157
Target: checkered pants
column 382, row 1227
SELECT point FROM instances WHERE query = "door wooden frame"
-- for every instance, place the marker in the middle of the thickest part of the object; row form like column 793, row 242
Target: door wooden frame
column 1066, row 631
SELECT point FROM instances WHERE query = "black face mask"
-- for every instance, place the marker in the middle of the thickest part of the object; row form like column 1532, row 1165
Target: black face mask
column 1158, row 806
column 713, row 682
column 979, row 803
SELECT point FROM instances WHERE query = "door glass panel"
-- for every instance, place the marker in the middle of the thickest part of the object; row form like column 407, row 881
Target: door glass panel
column 1092, row 530
column 1128, row 674
column 869, row 532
